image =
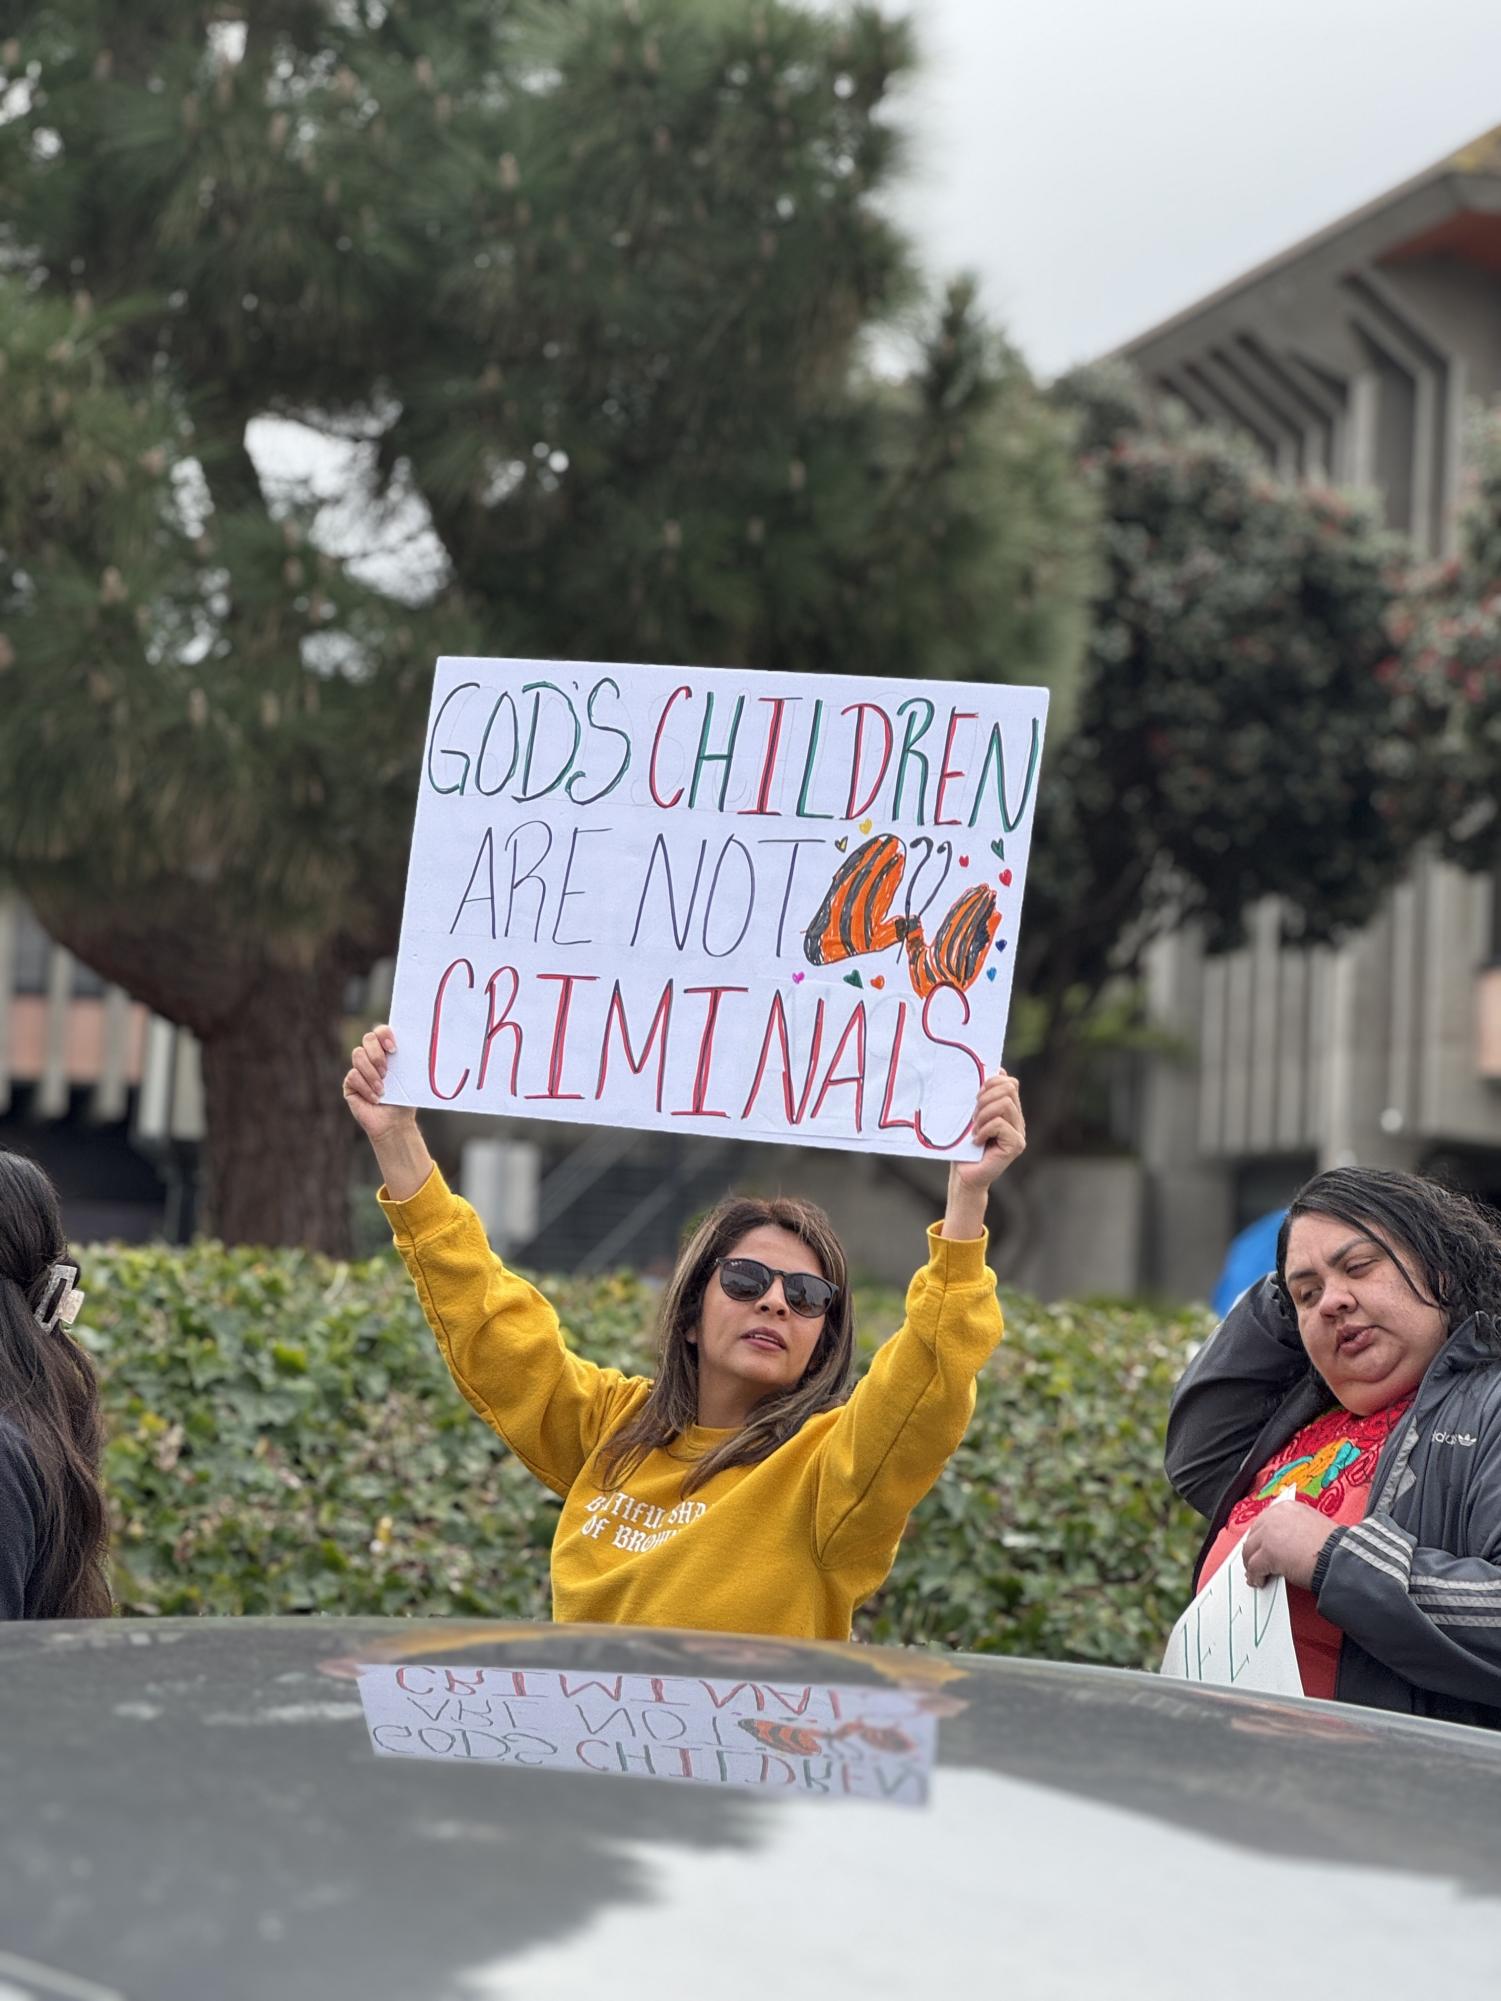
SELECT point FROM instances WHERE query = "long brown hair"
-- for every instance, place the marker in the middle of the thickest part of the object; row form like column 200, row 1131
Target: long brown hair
column 49, row 1392
column 672, row 1406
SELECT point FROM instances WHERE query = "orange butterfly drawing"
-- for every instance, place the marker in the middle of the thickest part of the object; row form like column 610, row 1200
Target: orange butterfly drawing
column 798, row 1740
column 854, row 920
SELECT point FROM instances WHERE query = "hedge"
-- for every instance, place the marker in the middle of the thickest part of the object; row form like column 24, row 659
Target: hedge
column 283, row 1438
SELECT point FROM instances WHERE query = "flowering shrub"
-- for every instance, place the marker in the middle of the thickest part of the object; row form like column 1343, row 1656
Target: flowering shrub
column 1445, row 676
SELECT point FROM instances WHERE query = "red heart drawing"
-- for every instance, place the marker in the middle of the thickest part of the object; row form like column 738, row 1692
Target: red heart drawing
column 878, row 980
column 1005, row 878
column 964, row 861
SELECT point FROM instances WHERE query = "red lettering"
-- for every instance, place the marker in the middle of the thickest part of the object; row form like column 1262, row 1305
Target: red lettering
column 776, row 1024
column 661, row 1023
column 496, row 1023
column 860, row 710
column 947, row 771
column 432, row 1041
column 566, row 984
column 886, row 1123
column 778, row 705
column 711, row 1688
column 656, row 745
column 942, row 1042
column 854, row 1026
column 794, row 1708
column 700, row 1107
column 403, row 1683
column 583, row 1688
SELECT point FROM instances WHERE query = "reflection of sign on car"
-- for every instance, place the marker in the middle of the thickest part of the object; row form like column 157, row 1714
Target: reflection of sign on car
column 824, row 1739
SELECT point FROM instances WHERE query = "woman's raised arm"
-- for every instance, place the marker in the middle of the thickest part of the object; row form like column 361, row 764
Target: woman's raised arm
column 498, row 1335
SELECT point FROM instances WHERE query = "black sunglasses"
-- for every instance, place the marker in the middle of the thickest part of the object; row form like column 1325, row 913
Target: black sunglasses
column 805, row 1292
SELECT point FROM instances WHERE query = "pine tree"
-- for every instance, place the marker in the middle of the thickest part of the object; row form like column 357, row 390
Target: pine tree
column 584, row 291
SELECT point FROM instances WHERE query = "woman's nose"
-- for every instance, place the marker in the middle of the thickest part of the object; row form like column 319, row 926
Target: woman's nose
column 1336, row 1298
column 774, row 1299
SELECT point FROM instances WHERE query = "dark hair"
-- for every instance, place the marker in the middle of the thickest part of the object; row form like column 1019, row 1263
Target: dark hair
column 1452, row 1242
column 49, row 1392
column 672, row 1405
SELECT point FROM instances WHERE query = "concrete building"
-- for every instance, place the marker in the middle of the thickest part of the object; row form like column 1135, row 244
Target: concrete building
column 1354, row 357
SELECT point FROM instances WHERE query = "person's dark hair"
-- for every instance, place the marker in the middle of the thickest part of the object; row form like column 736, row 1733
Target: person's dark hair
column 672, row 1405
column 1449, row 1246
column 49, row 1392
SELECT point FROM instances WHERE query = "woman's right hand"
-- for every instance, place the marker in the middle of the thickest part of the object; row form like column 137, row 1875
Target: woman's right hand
column 365, row 1085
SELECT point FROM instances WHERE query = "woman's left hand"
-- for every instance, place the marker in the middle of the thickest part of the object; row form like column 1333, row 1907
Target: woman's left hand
column 1000, row 1129
column 1284, row 1541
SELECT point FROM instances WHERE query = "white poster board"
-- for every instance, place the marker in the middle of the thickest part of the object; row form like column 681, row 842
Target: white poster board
column 756, row 906
column 826, row 1739
column 1236, row 1636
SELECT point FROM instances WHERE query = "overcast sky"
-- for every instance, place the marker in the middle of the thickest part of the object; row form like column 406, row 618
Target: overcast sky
column 1101, row 163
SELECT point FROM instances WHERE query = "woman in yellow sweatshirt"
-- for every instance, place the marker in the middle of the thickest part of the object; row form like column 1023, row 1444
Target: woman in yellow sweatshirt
column 745, row 1488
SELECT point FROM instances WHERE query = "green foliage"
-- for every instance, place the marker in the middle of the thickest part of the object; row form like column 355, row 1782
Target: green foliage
column 1054, row 1532
column 284, row 1438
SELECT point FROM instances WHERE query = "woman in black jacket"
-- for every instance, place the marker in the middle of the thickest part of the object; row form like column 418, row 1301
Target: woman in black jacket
column 53, row 1526
column 1365, row 1377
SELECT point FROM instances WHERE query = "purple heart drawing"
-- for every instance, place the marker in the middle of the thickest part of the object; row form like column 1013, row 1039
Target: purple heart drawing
column 798, row 978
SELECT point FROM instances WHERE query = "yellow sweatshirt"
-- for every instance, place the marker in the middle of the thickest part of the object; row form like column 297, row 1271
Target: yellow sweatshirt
column 791, row 1546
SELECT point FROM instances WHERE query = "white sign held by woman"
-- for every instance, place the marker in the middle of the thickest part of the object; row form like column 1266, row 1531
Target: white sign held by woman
column 756, row 906
column 1236, row 1635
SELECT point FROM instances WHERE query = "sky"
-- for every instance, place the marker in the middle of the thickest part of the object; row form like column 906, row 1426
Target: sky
column 1102, row 163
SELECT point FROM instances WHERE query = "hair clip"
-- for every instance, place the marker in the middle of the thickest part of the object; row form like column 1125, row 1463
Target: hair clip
column 61, row 1301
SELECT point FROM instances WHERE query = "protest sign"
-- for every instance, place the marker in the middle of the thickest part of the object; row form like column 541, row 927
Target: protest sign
column 1236, row 1635
column 759, row 906
column 825, row 1739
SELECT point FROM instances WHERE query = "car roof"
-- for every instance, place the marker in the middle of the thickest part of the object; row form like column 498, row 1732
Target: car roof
column 226, row 1810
